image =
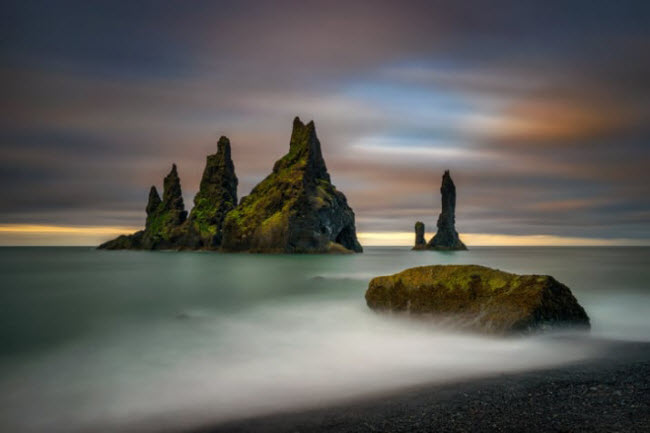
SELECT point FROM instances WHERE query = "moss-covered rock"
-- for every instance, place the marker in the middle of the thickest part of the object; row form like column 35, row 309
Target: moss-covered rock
column 478, row 298
column 216, row 197
column 165, row 226
column 295, row 209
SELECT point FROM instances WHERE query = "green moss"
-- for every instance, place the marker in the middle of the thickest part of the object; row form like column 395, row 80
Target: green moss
column 274, row 195
column 488, row 299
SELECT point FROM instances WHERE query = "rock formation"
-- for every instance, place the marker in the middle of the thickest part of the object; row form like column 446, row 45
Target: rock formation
column 478, row 298
column 420, row 242
column 165, row 220
column 446, row 237
column 216, row 197
column 295, row 209
column 167, row 225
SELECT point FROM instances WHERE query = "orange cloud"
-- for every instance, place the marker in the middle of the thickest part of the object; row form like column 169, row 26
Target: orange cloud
column 560, row 121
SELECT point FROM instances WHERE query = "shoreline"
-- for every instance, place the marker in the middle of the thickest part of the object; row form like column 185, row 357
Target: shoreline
column 602, row 394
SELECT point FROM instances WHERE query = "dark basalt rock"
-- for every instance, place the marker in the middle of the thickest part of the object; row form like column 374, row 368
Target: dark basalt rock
column 164, row 226
column 296, row 209
column 420, row 242
column 478, row 298
column 446, row 237
column 216, row 197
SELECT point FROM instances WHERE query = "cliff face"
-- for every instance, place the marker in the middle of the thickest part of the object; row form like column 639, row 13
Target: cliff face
column 216, row 197
column 295, row 209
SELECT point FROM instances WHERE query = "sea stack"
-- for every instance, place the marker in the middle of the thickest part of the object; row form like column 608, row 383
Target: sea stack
column 446, row 237
column 165, row 225
column 295, row 209
column 216, row 197
column 420, row 242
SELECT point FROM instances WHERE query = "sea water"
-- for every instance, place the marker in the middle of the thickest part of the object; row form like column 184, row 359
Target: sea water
column 154, row 341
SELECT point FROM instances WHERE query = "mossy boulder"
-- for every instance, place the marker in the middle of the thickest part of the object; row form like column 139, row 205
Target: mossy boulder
column 478, row 298
column 295, row 209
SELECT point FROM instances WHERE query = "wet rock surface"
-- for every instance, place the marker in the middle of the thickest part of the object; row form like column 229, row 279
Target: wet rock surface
column 478, row 298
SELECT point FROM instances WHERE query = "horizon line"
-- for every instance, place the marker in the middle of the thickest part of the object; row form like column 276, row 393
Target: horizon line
column 82, row 235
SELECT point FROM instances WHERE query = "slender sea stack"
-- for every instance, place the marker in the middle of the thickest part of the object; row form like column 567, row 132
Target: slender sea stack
column 216, row 197
column 296, row 209
column 420, row 242
column 447, row 237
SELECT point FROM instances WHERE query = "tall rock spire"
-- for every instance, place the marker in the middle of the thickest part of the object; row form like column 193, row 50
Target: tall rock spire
column 173, row 196
column 447, row 237
column 152, row 205
column 216, row 197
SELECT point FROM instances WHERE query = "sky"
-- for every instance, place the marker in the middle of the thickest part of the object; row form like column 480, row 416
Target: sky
column 540, row 109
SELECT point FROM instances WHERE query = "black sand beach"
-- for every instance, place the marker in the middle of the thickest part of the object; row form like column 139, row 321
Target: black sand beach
column 608, row 394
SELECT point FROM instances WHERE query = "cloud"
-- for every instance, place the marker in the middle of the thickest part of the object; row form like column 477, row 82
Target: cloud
column 542, row 117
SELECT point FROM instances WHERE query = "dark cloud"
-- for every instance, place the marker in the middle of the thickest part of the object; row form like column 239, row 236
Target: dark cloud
column 541, row 109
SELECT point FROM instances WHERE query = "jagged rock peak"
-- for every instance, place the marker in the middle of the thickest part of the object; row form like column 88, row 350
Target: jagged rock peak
column 216, row 197
column 172, row 193
column 304, row 150
column 223, row 148
column 446, row 237
column 154, row 200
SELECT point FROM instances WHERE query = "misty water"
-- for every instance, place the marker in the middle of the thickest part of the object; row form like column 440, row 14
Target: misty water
column 125, row 340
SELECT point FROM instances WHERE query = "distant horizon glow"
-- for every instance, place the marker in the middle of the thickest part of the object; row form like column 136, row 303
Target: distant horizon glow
column 60, row 235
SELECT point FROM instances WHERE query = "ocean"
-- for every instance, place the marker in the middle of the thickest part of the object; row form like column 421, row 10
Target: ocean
column 160, row 341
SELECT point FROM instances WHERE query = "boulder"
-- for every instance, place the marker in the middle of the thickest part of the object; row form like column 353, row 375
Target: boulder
column 478, row 298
